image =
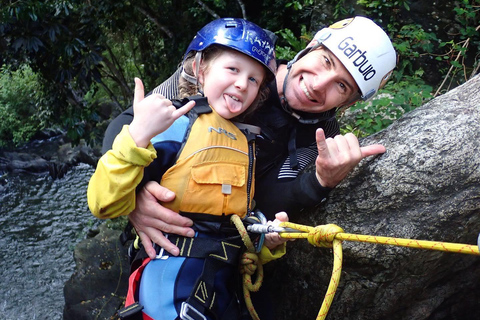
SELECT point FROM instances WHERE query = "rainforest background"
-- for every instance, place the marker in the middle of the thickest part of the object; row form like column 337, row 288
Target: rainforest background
column 70, row 64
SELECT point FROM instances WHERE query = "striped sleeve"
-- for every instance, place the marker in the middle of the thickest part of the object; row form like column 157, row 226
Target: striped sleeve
column 169, row 88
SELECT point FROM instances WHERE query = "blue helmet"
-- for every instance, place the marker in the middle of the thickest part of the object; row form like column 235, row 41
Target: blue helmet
column 240, row 35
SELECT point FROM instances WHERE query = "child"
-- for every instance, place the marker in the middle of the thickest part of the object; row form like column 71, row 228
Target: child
column 205, row 158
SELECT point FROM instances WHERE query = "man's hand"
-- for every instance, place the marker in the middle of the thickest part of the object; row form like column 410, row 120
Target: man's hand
column 150, row 218
column 338, row 156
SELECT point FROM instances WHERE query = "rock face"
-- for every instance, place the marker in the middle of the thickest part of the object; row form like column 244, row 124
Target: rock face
column 100, row 282
column 426, row 186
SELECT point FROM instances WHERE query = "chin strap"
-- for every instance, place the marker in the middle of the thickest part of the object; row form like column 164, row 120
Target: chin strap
column 193, row 79
column 286, row 107
column 283, row 99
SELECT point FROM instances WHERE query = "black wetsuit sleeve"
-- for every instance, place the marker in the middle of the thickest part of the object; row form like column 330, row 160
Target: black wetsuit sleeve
column 273, row 195
column 115, row 127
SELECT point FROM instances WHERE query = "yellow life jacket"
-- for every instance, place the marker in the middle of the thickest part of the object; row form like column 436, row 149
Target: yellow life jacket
column 213, row 173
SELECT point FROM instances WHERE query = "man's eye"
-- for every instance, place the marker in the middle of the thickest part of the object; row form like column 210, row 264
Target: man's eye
column 343, row 87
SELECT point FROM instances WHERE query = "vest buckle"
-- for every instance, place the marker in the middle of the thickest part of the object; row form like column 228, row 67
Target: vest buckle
column 188, row 312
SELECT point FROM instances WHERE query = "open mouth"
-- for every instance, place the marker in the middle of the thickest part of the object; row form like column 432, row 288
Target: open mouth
column 234, row 98
column 234, row 103
column 305, row 91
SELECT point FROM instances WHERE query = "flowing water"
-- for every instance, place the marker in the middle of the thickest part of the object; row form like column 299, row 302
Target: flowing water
column 41, row 221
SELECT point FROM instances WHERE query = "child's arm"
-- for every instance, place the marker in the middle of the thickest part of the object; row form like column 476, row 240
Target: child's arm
column 273, row 240
column 111, row 190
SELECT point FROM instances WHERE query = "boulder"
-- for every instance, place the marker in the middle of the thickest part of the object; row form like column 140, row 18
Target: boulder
column 427, row 187
column 53, row 155
column 98, row 287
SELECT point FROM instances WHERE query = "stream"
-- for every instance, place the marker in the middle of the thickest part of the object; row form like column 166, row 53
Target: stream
column 41, row 221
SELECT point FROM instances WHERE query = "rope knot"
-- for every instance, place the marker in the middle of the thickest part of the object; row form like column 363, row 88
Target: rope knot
column 323, row 235
column 248, row 263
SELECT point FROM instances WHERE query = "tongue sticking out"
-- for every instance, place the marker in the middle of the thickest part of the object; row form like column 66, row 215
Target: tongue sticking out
column 233, row 104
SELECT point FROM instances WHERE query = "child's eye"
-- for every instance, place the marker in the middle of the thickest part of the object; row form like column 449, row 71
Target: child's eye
column 233, row 69
column 252, row 79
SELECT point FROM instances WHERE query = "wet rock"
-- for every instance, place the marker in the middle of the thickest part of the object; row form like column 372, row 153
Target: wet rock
column 54, row 156
column 98, row 287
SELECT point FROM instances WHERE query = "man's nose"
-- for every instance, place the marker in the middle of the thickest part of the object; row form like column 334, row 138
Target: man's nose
column 320, row 82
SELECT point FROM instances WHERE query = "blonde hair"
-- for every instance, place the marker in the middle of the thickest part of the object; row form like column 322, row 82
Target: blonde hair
column 187, row 88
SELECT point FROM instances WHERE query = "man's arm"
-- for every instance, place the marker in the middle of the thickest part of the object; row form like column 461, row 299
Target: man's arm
column 336, row 158
column 150, row 218
column 273, row 195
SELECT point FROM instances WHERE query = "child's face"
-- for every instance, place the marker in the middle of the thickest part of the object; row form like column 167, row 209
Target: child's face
column 231, row 83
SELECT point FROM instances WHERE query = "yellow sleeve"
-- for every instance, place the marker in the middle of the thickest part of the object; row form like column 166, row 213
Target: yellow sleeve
column 266, row 255
column 111, row 189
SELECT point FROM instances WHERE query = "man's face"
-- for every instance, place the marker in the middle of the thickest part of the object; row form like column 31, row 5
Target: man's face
column 319, row 82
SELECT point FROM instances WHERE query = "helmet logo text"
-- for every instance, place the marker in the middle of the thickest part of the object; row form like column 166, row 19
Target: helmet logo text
column 223, row 131
column 360, row 60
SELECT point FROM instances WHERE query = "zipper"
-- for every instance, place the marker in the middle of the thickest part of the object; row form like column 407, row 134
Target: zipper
column 251, row 166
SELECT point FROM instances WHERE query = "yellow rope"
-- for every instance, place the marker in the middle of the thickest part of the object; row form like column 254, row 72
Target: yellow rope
column 249, row 264
column 326, row 233
column 331, row 235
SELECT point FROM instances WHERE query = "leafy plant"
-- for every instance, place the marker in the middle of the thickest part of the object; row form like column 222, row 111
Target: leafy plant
column 293, row 43
column 395, row 99
column 299, row 5
column 19, row 101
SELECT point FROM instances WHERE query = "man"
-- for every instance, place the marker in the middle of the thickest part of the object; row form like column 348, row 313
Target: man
column 349, row 61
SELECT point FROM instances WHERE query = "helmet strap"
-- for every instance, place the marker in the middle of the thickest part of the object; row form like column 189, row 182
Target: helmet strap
column 283, row 99
column 188, row 77
column 193, row 78
column 198, row 61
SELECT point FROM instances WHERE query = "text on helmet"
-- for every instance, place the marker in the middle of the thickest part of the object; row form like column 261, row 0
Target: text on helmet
column 264, row 48
column 361, row 61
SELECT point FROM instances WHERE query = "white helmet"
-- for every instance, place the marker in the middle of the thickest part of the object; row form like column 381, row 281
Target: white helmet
column 363, row 48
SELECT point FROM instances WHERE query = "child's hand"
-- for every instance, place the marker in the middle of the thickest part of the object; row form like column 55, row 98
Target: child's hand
column 152, row 115
column 273, row 240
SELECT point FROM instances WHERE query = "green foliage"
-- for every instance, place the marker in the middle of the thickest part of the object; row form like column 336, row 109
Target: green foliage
column 408, row 90
column 293, row 43
column 342, row 10
column 19, row 100
column 84, row 55
column 298, row 5
column 395, row 99
column 455, row 51
column 411, row 42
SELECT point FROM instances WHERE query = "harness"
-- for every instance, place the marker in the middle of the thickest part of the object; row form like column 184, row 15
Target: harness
column 213, row 179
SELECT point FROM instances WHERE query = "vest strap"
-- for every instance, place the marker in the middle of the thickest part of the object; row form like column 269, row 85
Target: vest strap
column 227, row 250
